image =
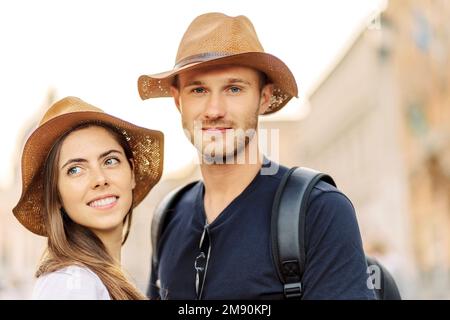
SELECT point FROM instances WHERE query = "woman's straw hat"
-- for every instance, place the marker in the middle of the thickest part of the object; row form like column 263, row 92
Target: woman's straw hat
column 62, row 117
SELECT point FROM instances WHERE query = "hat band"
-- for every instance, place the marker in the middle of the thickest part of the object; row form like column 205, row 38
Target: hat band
column 200, row 58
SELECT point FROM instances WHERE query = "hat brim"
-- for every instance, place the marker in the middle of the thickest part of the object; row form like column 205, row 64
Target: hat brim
column 285, row 86
column 147, row 147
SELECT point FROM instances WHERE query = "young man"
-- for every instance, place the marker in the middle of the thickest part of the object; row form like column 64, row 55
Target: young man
column 216, row 244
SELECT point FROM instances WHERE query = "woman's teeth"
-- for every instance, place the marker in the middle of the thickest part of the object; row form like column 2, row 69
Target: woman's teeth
column 102, row 202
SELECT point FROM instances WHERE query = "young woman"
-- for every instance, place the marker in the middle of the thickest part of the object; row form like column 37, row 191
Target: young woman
column 83, row 172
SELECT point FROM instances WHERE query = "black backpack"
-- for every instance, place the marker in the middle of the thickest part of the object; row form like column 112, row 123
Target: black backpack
column 287, row 232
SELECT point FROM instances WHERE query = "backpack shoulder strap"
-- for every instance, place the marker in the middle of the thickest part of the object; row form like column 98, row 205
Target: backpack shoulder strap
column 160, row 217
column 288, row 226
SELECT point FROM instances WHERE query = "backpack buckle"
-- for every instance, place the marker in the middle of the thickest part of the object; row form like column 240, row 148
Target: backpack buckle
column 293, row 290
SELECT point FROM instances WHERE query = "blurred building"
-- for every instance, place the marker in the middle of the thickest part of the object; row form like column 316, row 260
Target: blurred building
column 421, row 55
column 20, row 250
column 379, row 122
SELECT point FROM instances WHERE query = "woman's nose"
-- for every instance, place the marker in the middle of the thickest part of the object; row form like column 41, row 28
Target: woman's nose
column 99, row 178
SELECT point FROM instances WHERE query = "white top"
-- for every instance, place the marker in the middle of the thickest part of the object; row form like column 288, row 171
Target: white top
column 70, row 283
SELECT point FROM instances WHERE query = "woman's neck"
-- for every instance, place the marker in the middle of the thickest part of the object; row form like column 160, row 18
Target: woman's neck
column 112, row 240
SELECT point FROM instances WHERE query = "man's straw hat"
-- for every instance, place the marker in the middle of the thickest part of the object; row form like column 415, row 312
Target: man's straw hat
column 215, row 39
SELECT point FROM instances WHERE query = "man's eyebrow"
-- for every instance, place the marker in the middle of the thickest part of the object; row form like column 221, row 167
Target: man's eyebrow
column 104, row 154
column 230, row 81
column 194, row 83
column 237, row 80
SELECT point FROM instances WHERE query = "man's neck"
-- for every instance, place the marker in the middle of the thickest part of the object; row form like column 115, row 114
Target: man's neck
column 224, row 182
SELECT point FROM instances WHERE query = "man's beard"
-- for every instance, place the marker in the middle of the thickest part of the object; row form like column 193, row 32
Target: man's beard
column 240, row 143
column 221, row 148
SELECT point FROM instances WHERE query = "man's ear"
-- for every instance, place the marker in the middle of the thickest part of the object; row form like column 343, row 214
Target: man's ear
column 176, row 96
column 266, row 94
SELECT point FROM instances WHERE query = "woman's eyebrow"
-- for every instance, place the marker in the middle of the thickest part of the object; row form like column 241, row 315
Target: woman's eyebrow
column 104, row 154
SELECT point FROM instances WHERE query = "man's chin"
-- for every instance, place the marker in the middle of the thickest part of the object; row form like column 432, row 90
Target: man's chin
column 217, row 158
column 234, row 156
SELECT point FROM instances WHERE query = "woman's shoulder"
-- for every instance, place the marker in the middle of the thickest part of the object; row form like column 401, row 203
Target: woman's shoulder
column 70, row 283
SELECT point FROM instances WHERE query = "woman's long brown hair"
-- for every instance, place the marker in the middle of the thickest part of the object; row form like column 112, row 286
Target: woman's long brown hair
column 72, row 244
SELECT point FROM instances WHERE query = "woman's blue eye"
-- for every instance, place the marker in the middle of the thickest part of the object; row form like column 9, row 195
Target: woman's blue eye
column 73, row 170
column 111, row 161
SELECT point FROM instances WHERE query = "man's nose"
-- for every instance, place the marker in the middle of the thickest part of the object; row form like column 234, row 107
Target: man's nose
column 215, row 107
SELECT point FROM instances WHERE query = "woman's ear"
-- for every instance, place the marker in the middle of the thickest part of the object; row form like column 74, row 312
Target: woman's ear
column 266, row 95
column 133, row 179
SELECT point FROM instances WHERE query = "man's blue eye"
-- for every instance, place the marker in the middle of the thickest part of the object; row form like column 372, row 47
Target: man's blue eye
column 235, row 89
column 199, row 90
column 73, row 170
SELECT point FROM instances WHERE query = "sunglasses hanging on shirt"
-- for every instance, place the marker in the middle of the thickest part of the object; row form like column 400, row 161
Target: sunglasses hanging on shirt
column 201, row 262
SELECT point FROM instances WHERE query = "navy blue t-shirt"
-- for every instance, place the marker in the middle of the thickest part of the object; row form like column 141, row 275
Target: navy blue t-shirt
column 240, row 264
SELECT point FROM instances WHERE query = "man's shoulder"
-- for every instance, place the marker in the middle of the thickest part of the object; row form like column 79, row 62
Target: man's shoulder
column 328, row 194
column 325, row 203
column 188, row 193
column 322, row 191
column 330, row 210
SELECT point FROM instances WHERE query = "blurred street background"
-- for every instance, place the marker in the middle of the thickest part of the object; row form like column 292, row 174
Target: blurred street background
column 373, row 112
